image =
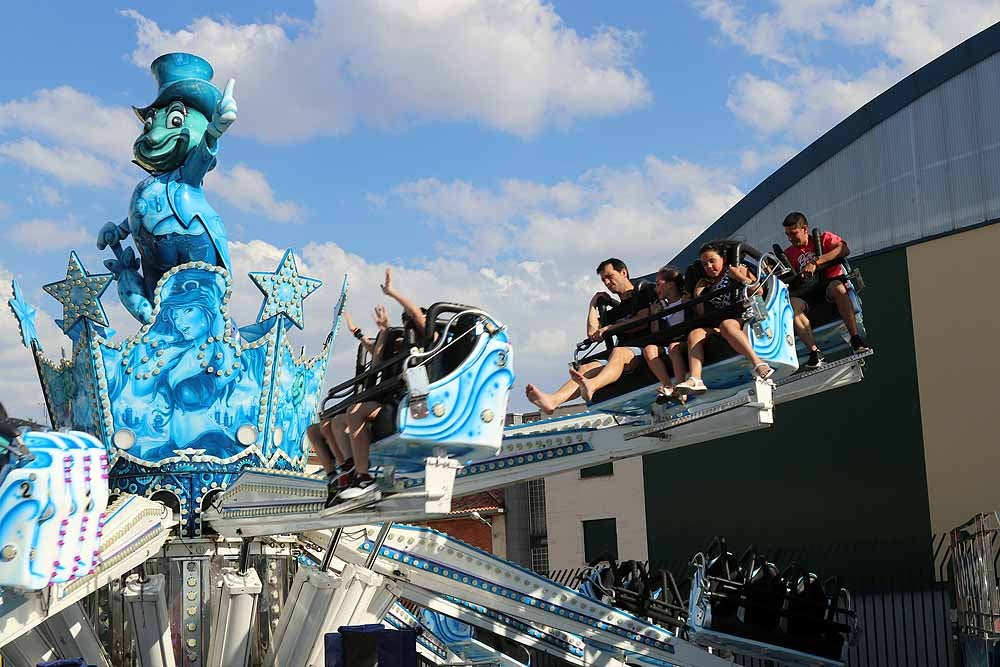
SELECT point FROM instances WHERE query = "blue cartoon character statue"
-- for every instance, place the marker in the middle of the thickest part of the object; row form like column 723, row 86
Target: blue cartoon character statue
column 169, row 219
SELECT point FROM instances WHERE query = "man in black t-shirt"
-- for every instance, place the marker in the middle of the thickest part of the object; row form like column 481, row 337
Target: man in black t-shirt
column 593, row 375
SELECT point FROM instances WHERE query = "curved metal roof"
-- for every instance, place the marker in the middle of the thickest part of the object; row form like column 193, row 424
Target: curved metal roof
column 967, row 54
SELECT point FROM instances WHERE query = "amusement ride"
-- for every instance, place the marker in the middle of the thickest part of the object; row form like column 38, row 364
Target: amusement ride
column 167, row 519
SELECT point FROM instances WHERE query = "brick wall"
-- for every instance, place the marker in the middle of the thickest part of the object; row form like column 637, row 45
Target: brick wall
column 469, row 531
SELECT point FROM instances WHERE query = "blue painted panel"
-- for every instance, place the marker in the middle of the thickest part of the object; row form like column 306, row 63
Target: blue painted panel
column 185, row 382
column 51, row 507
column 465, row 415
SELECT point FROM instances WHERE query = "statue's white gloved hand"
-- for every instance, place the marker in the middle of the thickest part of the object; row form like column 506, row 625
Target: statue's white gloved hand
column 225, row 112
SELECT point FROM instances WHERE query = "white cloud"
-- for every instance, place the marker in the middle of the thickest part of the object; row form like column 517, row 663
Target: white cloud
column 644, row 214
column 803, row 98
column 754, row 160
column 913, row 32
column 512, row 65
column 47, row 194
column 71, row 117
column 96, row 151
column 249, row 191
column 805, row 104
column 760, row 36
column 20, row 391
column 70, row 166
column 377, row 201
column 40, row 234
column 543, row 303
column 764, row 104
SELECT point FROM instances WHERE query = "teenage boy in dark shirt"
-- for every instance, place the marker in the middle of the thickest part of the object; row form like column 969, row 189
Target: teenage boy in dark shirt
column 593, row 375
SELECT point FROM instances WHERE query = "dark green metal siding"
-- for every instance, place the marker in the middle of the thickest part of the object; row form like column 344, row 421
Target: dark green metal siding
column 841, row 468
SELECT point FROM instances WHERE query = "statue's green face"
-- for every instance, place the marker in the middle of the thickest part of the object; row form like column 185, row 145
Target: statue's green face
column 167, row 136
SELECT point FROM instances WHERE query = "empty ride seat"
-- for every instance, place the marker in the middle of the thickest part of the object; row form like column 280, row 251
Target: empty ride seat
column 725, row 577
column 794, row 609
column 764, row 594
column 459, row 345
column 440, row 392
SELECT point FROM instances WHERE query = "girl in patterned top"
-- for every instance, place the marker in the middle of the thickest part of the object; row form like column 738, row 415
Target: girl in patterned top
column 669, row 290
column 719, row 278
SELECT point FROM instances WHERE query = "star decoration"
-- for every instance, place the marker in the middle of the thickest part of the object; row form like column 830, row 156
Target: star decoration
column 80, row 294
column 24, row 313
column 284, row 290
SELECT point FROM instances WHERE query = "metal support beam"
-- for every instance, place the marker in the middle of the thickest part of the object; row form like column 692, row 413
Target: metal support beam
column 331, row 548
column 234, row 619
column 383, row 532
column 320, row 602
column 146, row 600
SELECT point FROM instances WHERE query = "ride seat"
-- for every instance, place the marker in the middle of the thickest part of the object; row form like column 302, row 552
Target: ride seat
column 459, row 346
column 821, row 311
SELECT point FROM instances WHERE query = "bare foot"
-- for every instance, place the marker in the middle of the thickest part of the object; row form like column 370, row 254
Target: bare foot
column 540, row 398
column 585, row 392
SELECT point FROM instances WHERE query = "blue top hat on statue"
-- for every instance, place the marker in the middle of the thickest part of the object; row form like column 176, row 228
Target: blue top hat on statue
column 183, row 77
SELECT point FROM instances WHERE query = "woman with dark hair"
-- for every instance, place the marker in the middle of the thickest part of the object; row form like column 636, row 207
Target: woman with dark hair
column 185, row 363
column 719, row 281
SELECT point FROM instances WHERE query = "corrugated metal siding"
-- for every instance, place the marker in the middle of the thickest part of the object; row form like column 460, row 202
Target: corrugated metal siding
column 931, row 168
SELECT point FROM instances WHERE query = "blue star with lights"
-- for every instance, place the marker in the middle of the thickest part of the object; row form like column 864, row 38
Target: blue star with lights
column 284, row 290
column 80, row 294
column 24, row 313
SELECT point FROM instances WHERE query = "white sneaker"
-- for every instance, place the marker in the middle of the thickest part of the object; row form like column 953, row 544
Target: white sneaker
column 692, row 385
column 364, row 486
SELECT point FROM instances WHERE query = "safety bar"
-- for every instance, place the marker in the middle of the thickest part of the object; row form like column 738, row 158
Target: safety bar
column 736, row 311
column 441, row 343
column 405, row 358
column 735, row 253
column 442, row 307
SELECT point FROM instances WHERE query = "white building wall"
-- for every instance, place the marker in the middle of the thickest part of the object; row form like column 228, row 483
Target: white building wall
column 570, row 500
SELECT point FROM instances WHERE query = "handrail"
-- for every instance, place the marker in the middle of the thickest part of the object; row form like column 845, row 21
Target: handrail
column 446, row 306
column 440, row 344
column 736, row 248
column 404, row 358
column 375, row 393
column 736, row 310
column 372, row 370
column 614, row 329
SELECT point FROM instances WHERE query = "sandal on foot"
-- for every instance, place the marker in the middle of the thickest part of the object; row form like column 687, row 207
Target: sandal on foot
column 766, row 374
column 692, row 385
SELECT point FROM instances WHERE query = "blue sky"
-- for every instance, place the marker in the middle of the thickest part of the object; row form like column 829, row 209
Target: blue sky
column 492, row 152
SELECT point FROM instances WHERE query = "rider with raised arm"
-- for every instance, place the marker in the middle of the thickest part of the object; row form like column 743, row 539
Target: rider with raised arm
column 720, row 278
column 831, row 285
column 592, row 376
column 360, row 416
column 329, row 438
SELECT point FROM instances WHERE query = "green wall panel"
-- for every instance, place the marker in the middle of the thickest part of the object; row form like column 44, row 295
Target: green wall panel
column 840, row 474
